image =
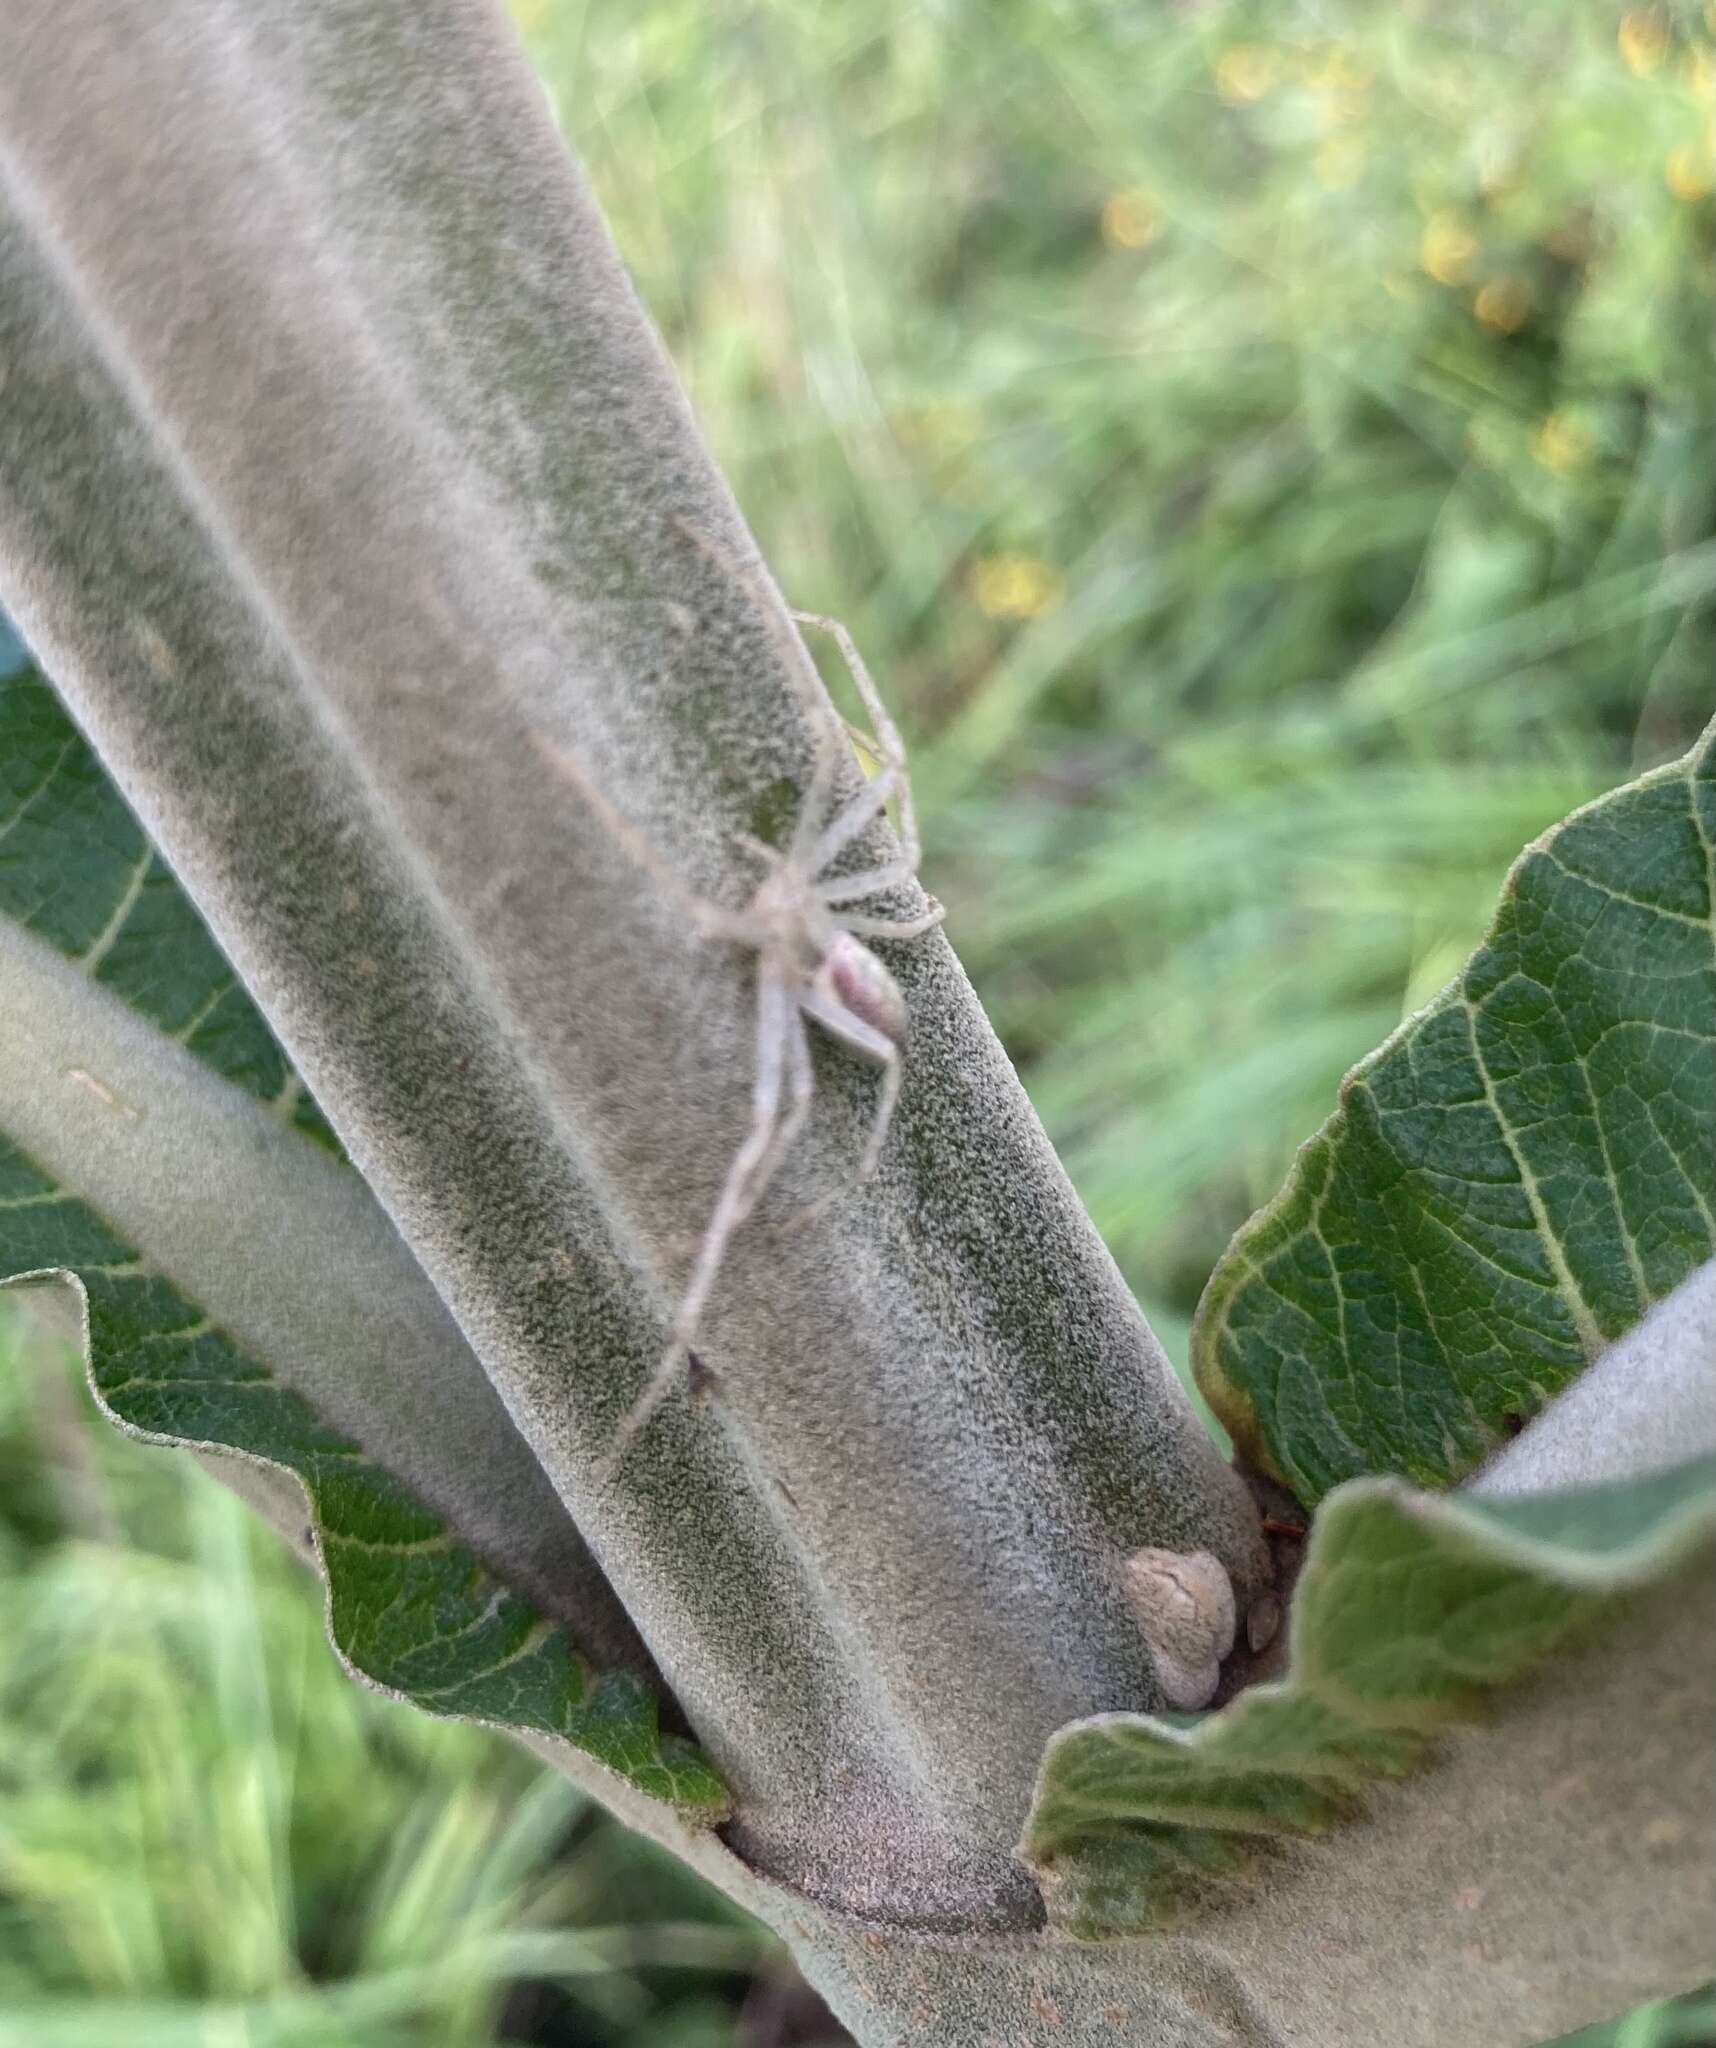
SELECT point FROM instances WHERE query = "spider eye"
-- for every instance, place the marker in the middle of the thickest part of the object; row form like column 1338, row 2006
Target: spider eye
column 866, row 987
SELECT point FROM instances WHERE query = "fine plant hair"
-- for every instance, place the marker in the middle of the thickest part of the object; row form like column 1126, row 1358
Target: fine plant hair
column 343, row 482
column 812, row 965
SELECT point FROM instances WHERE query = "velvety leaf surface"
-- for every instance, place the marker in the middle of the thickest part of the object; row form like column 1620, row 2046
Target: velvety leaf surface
column 1509, row 1182
column 1411, row 1610
column 410, row 1607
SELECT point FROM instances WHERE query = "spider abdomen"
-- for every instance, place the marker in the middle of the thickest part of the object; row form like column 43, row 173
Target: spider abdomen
column 864, row 986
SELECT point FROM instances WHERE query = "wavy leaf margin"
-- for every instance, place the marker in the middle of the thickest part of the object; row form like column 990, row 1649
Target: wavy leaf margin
column 1412, row 1611
column 410, row 1608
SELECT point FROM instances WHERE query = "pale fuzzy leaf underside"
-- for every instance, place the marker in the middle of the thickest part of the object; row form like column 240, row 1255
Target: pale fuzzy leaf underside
column 1413, row 1610
column 77, row 869
column 411, row 1608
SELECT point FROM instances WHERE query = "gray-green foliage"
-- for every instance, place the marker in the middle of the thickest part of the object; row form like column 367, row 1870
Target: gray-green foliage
column 78, row 870
column 411, row 1608
column 539, row 1066
column 242, row 871
column 1410, row 1610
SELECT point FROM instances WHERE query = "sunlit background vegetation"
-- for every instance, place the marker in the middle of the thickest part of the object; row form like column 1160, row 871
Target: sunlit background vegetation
column 1269, row 457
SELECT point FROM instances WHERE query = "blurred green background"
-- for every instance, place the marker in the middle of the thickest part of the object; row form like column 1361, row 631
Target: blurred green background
column 1269, row 458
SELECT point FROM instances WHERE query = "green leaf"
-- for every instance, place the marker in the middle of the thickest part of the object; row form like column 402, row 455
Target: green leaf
column 1509, row 1182
column 411, row 1608
column 1412, row 1609
column 77, row 870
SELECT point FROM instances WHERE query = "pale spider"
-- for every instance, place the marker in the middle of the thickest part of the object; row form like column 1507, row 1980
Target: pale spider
column 812, row 967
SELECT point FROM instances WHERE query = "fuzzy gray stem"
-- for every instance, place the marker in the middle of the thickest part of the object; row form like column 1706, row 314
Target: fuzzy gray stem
column 339, row 471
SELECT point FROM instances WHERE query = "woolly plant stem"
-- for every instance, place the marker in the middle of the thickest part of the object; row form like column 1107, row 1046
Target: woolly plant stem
column 342, row 483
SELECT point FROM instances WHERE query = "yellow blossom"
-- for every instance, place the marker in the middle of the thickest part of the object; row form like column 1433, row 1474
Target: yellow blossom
column 1643, row 40
column 1504, row 304
column 1130, row 219
column 940, row 428
column 1244, row 73
column 1447, row 249
column 1341, row 85
column 1339, row 162
column 1562, row 444
column 1701, row 75
column 1015, row 586
column 1342, row 109
column 1339, row 71
column 1689, row 172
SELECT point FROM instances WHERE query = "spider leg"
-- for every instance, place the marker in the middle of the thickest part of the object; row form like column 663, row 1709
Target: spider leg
column 869, row 804
column 891, row 928
column 800, row 847
column 888, row 746
column 875, row 1046
column 738, row 1193
column 887, row 1098
column 890, row 750
column 711, row 919
column 868, row 882
column 800, row 1086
